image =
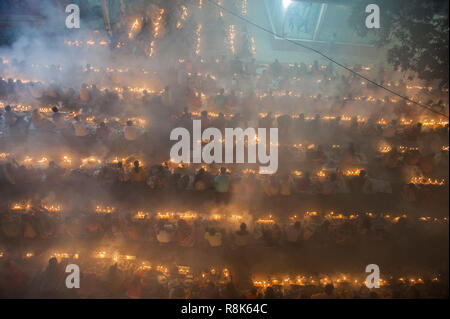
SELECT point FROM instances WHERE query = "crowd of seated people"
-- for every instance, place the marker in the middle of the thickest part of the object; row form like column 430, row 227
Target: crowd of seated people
column 118, row 279
column 343, row 146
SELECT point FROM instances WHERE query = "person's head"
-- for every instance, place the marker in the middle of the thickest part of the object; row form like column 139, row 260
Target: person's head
column 55, row 109
column 119, row 164
column 362, row 173
column 102, row 124
column 243, row 227
column 223, row 170
column 166, row 88
column 222, row 91
column 333, row 177
column 212, row 231
column 129, row 123
column 52, row 262
column 77, row 118
column 136, row 164
column 329, row 288
column 8, row 108
column 297, row 225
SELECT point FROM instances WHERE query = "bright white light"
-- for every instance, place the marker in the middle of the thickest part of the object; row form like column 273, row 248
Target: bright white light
column 286, row 3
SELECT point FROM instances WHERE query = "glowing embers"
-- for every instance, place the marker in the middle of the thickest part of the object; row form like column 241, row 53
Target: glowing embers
column 266, row 220
column 433, row 124
column 156, row 31
column 199, row 39
column 421, row 180
column 244, row 7
column 297, row 173
column 322, row 173
column 187, row 215
column 184, row 14
column 52, row 208
column 21, row 207
column 135, row 28
column 252, row 45
column 231, row 37
column 90, row 161
column 336, row 280
column 4, row 156
column 60, row 256
column 384, row 148
column 142, row 215
column 405, row 149
column 352, row 172
column 100, row 209
column 66, row 160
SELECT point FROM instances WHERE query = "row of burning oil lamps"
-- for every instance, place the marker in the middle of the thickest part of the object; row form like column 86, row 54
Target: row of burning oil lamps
column 303, row 280
column 234, row 218
column 140, row 90
column 427, row 123
column 322, row 173
column 431, row 123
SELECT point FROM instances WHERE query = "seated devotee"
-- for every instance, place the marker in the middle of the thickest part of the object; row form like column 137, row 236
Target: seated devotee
column 293, row 233
column 38, row 120
column 130, row 131
column 102, row 132
column 328, row 293
column 220, row 100
column 202, row 180
column 286, row 184
column 166, row 97
column 185, row 234
column 10, row 116
column 164, row 233
column 213, row 237
column 58, row 119
column 137, row 173
column 79, row 127
column 242, row 236
column 222, row 181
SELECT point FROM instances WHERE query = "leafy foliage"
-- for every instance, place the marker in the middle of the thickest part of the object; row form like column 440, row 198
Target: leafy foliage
column 415, row 32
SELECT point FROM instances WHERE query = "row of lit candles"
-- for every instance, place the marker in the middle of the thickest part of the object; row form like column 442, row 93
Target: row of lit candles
column 93, row 160
column 302, row 280
column 193, row 215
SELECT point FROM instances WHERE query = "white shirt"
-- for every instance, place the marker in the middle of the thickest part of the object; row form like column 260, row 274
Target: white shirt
column 131, row 133
column 80, row 130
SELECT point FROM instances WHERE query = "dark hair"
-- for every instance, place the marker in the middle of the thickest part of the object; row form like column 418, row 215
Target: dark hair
column 55, row 109
column 329, row 289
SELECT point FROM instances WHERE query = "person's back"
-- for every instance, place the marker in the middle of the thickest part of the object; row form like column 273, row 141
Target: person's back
column 222, row 183
column 293, row 233
column 214, row 238
column 130, row 133
column 164, row 235
column 285, row 186
column 328, row 293
column 80, row 129
column 242, row 236
column 10, row 116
